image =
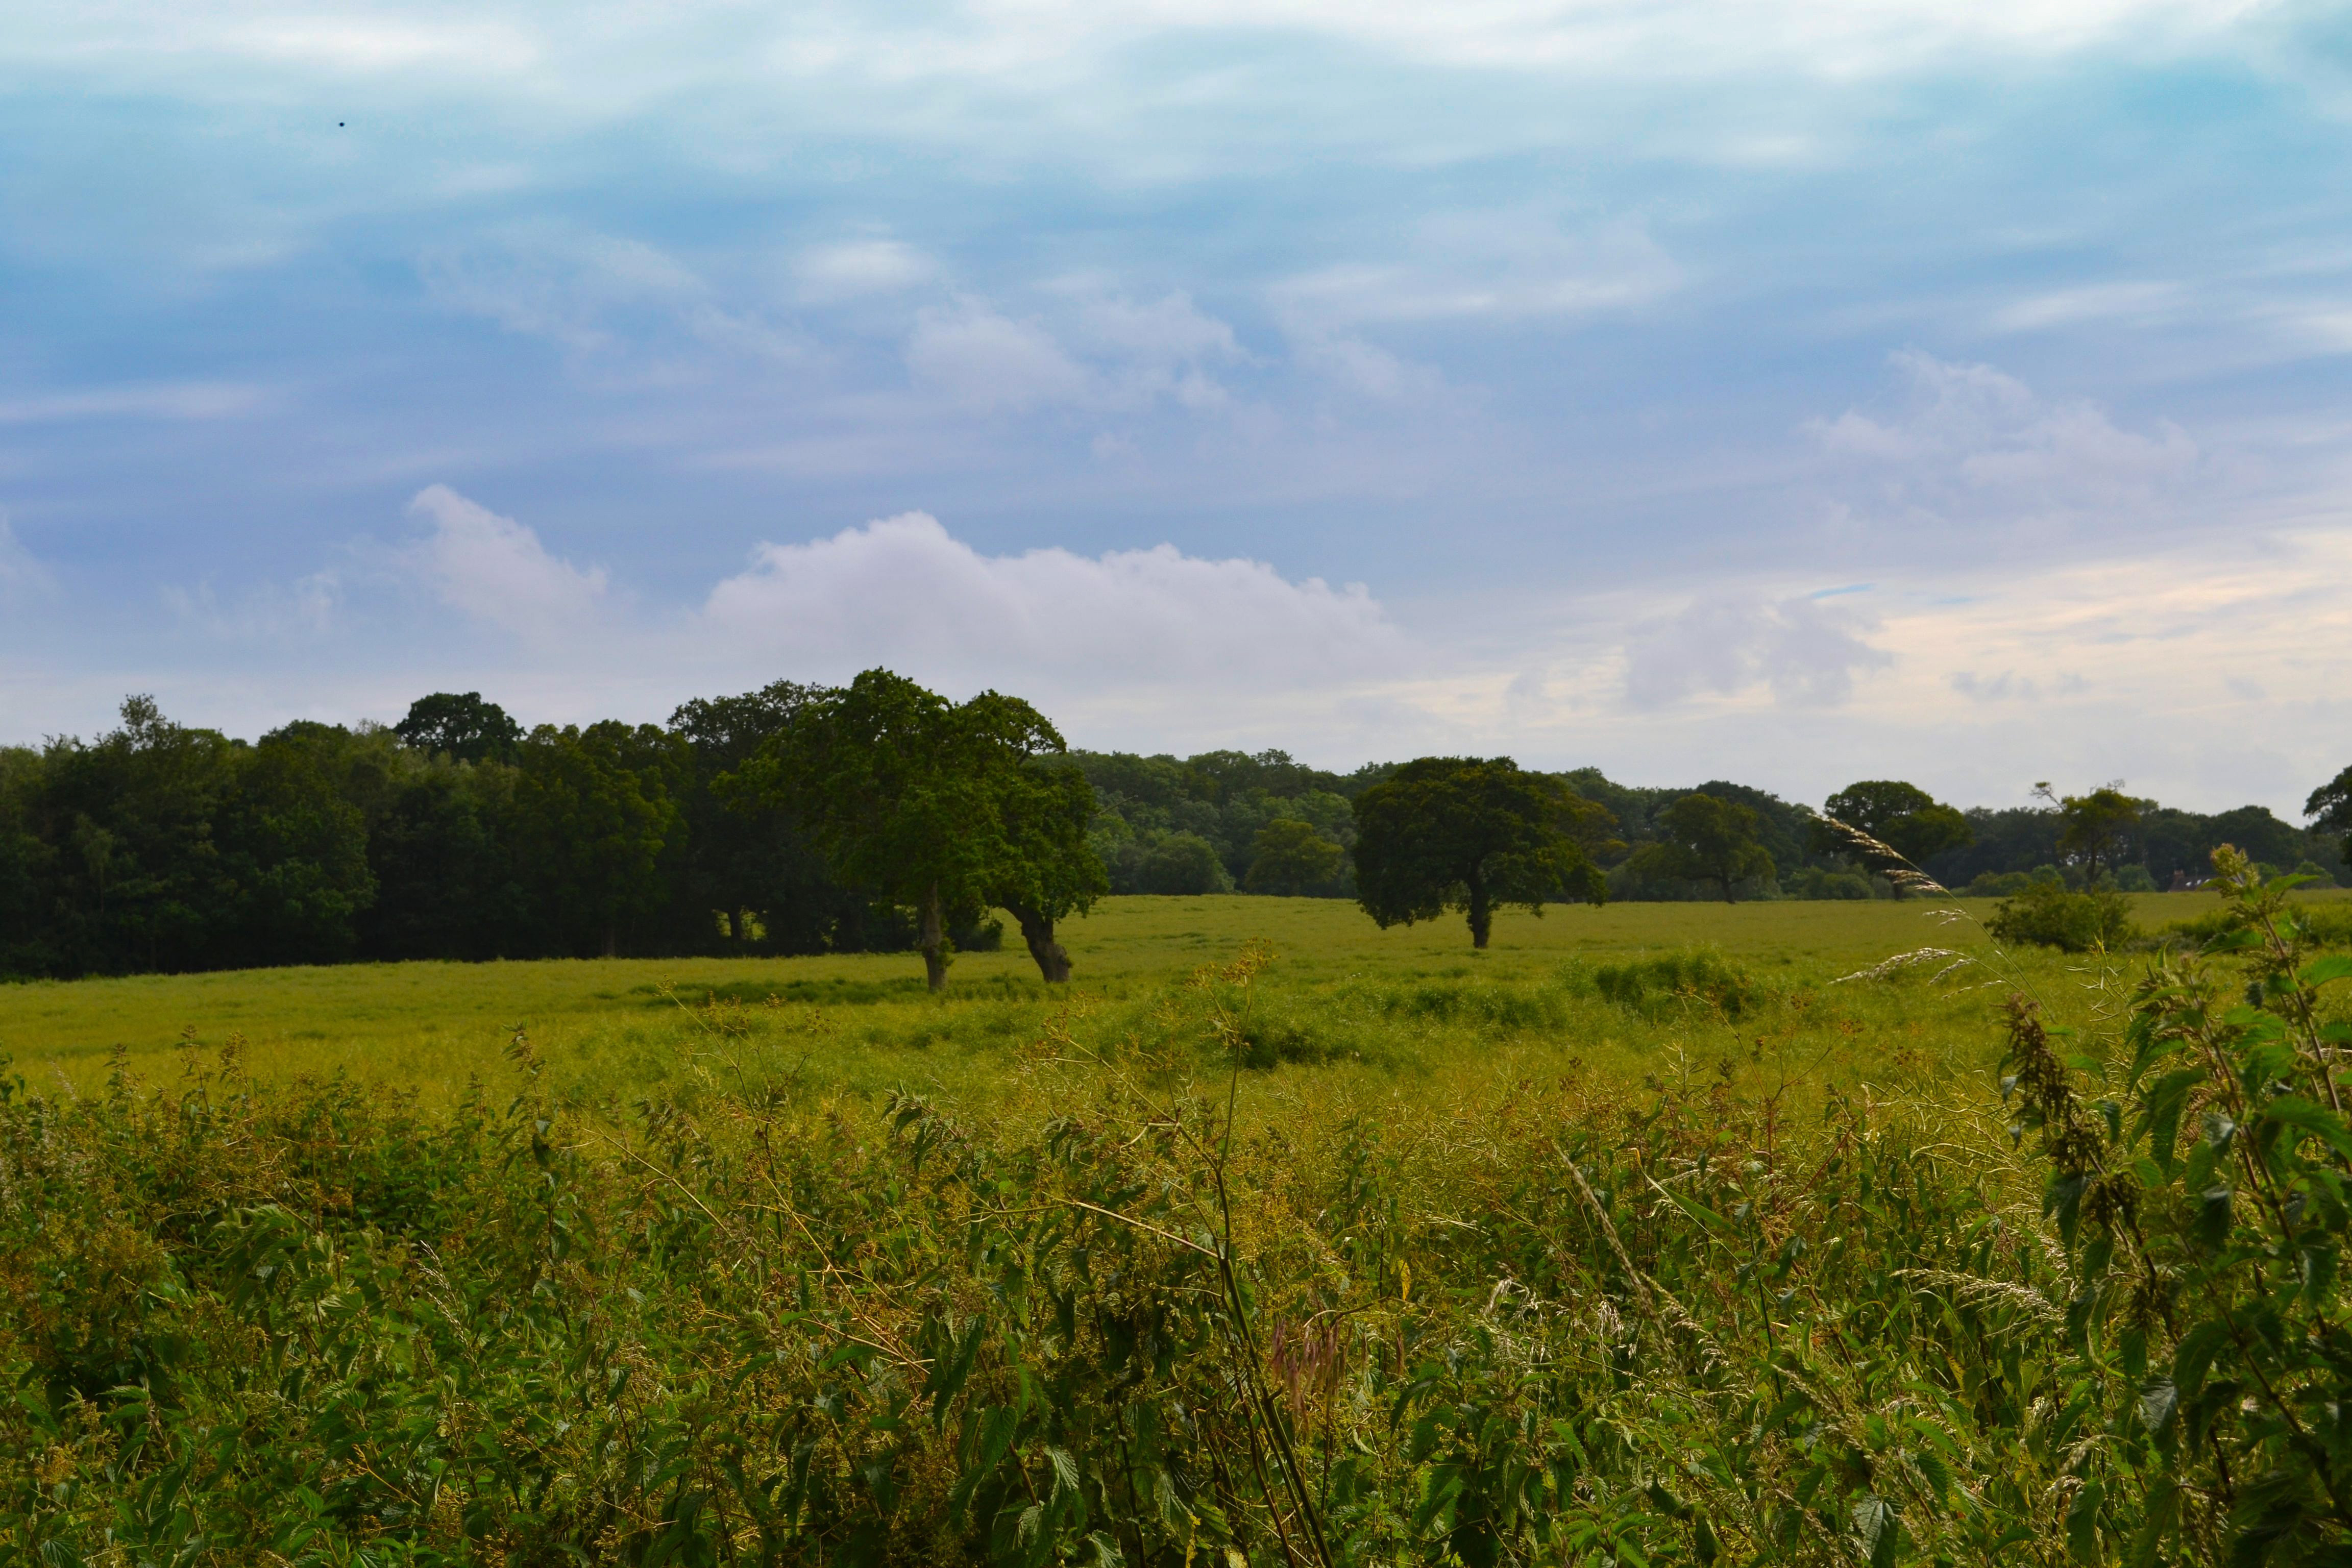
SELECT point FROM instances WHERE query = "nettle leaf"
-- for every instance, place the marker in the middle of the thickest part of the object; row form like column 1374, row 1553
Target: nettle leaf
column 2295, row 1111
column 2160, row 1402
column 1874, row 1520
column 2321, row 970
column 2212, row 1224
column 2161, row 1110
column 2194, row 1354
column 2083, row 1523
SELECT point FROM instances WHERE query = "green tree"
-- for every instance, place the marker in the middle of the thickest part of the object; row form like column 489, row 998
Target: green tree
column 939, row 807
column 295, row 846
column 2095, row 828
column 1289, row 856
column 594, row 812
column 1704, row 838
column 745, row 858
column 2330, row 809
column 1182, row 865
column 460, row 725
column 1043, row 807
column 1903, row 816
column 1471, row 834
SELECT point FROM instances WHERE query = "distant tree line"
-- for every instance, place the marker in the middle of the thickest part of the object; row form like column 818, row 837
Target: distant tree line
column 796, row 819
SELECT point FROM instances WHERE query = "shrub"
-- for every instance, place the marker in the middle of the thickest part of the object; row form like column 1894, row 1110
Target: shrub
column 2047, row 915
column 1697, row 977
column 1818, row 882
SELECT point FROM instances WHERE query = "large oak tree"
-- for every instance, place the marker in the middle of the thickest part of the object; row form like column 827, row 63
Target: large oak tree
column 941, row 808
column 1472, row 834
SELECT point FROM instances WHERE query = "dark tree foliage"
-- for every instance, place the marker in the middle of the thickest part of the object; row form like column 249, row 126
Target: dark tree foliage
column 1704, row 837
column 1471, row 834
column 2330, row 809
column 1903, row 817
column 460, row 725
column 940, row 807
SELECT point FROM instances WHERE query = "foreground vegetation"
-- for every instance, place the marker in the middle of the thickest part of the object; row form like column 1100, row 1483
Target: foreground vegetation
column 1603, row 1248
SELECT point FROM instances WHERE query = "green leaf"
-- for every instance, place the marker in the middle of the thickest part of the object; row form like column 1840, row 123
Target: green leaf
column 2213, row 1222
column 2195, row 1354
column 2320, row 970
column 1874, row 1520
column 2316, row 1120
column 2083, row 1523
column 2159, row 1401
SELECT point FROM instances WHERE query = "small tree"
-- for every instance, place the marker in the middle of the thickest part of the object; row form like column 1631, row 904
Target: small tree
column 2095, row 828
column 1705, row 838
column 1470, row 834
column 1289, row 854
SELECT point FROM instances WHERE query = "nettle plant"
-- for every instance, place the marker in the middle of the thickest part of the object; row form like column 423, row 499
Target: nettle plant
column 2198, row 1187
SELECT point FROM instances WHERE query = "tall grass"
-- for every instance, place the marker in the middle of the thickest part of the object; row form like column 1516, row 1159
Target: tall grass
column 1167, row 1296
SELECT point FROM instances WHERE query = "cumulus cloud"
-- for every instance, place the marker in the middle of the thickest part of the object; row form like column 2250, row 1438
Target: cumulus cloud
column 905, row 592
column 1804, row 652
column 496, row 571
column 1969, row 436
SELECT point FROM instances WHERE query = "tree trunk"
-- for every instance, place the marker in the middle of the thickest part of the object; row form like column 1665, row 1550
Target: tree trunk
column 933, row 942
column 1727, row 896
column 1482, row 913
column 735, row 927
column 1037, row 930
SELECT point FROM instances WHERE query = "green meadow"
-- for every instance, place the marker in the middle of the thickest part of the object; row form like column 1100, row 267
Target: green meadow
column 1653, row 1233
column 1411, row 1001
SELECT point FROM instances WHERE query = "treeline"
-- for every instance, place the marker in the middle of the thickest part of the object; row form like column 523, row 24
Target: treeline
column 455, row 834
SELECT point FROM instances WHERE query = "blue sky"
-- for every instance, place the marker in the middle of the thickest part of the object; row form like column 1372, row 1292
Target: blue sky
column 1791, row 392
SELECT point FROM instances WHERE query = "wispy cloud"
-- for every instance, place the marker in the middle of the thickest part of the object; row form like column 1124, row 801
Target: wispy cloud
column 148, row 400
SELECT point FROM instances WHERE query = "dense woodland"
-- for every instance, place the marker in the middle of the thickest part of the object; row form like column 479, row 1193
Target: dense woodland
column 455, row 834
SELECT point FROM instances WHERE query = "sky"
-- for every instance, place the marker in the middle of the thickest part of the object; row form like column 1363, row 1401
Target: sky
column 1794, row 390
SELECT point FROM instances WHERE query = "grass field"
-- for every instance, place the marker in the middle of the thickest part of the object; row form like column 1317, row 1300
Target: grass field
column 1416, row 998
column 1654, row 1233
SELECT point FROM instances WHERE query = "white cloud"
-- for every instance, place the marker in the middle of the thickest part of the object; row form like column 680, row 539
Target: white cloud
column 591, row 292
column 989, row 363
column 1104, row 352
column 1805, row 652
column 151, row 400
column 904, row 592
column 1499, row 265
column 495, row 570
column 828, row 274
column 21, row 573
column 308, row 608
column 1972, row 440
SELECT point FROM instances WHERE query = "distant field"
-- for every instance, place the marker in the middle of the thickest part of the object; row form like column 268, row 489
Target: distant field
column 1417, row 1000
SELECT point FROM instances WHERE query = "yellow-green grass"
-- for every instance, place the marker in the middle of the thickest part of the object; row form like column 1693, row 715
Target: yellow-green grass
column 1410, row 1010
